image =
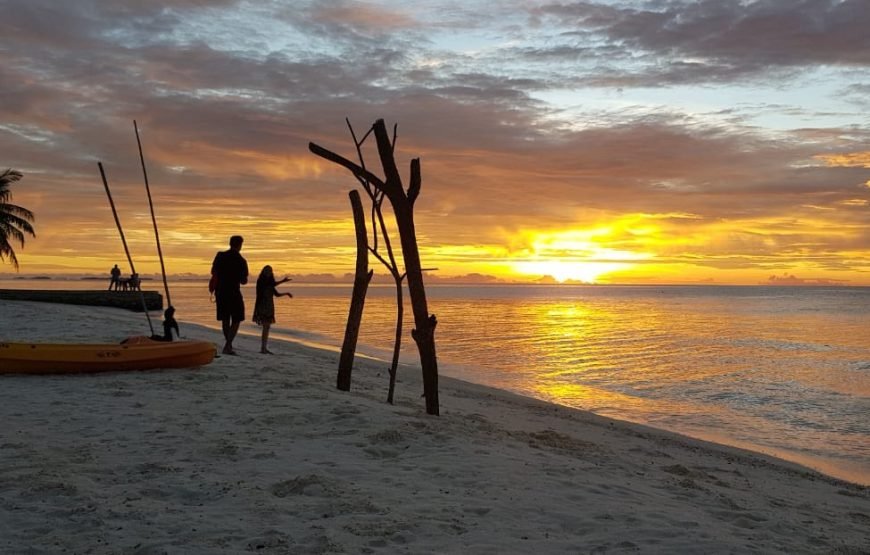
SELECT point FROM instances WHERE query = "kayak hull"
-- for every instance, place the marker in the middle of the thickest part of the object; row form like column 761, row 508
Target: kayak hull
column 140, row 354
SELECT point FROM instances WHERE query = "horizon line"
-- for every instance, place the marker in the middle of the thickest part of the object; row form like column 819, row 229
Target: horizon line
column 482, row 280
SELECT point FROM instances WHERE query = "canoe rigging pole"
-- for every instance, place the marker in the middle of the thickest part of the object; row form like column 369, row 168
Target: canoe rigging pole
column 153, row 219
column 124, row 241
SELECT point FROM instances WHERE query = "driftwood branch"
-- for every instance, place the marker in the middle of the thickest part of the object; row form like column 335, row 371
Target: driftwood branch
column 362, row 162
column 359, row 172
column 416, row 181
column 379, row 256
column 362, row 277
column 392, row 184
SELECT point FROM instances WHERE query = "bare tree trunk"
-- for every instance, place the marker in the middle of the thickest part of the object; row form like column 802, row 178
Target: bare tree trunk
column 358, row 298
column 424, row 331
column 397, row 345
column 403, row 207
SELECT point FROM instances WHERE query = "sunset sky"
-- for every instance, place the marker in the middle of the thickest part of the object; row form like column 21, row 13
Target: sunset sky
column 665, row 141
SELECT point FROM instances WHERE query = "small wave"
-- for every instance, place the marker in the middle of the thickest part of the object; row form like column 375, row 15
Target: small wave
column 780, row 345
column 309, row 339
column 860, row 366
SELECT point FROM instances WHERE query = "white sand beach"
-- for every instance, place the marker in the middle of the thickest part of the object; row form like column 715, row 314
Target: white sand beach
column 262, row 454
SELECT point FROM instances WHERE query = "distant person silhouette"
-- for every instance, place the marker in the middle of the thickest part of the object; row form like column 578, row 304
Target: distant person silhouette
column 134, row 284
column 264, row 307
column 231, row 272
column 115, row 283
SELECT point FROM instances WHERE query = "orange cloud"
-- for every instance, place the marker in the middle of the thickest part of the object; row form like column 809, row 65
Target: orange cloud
column 848, row 160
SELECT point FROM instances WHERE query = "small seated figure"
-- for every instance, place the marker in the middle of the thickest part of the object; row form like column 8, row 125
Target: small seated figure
column 169, row 324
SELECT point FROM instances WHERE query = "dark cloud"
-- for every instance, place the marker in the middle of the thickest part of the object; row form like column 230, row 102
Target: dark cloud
column 859, row 94
column 89, row 23
column 715, row 40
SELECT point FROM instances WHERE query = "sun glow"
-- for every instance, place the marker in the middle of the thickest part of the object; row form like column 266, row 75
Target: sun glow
column 568, row 270
column 576, row 254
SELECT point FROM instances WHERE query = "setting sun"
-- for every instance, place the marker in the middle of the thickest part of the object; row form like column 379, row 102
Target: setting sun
column 580, row 255
column 562, row 271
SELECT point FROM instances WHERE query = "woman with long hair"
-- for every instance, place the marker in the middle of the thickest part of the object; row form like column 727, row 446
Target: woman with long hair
column 264, row 307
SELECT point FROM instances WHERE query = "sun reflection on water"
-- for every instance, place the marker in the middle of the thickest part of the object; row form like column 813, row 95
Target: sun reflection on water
column 780, row 370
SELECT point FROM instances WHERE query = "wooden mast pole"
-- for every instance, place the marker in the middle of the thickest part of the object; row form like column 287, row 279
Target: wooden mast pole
column 124, row 241
column 153, row 218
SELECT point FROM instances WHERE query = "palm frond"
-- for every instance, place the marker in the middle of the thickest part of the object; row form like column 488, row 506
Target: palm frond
column 10, row 176
column 6, row 251
column 15, row 220
column 7, row 177
column 12, row 232
column 13, row 225
column 18, row 211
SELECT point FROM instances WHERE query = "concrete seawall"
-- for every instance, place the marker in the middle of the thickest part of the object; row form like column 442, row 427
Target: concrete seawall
column 130, row 300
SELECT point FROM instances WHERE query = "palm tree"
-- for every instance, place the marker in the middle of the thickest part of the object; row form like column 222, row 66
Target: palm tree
column 14, row 220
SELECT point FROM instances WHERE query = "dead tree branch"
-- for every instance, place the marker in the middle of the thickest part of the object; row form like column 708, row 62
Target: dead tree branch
column 403, row 204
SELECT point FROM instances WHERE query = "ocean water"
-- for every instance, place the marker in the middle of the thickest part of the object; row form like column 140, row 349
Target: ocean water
column 779, row 370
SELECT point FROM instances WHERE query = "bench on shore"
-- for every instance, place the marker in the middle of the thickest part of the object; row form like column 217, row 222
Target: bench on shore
column 128, row 284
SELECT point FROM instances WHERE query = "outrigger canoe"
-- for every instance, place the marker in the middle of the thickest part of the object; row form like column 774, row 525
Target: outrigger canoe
column 137, row 353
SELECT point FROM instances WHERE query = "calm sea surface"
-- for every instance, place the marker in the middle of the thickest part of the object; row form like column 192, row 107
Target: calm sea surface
column 784, row 371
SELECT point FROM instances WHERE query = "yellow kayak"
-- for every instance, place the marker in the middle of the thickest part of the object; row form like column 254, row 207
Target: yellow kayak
column 136, row 353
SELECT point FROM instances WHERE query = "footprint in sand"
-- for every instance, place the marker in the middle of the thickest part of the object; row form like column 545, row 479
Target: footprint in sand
column 311, row 485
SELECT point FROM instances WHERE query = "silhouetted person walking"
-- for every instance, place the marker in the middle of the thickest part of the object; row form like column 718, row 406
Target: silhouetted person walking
column 231, row 271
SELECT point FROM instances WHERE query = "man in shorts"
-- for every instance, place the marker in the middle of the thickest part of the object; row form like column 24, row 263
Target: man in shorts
column 231, row 271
